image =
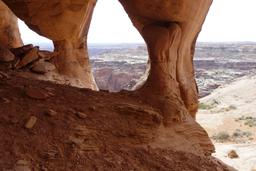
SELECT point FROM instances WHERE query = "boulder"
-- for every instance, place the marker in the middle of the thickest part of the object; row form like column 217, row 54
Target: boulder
column 233, row 154
column 28, row 58
column 21, row 51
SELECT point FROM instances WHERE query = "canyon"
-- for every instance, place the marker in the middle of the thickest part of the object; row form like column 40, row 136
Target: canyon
column 121, row 66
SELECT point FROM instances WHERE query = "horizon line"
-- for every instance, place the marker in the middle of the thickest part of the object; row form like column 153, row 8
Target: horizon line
column 113, row 43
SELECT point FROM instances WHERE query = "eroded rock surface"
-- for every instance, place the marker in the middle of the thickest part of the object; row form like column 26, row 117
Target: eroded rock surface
column 111, row 132
column 9, row 31
column 66, row 23
column 170, row 29
column 160, row 114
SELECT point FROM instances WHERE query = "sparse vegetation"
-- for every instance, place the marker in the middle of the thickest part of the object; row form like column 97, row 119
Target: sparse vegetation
column 248, row 120
column 241, row 134
column 232, row 107
column 237, row 136
column 210, row 105
column 227, row 109
column 221, row 136
column 204, row 106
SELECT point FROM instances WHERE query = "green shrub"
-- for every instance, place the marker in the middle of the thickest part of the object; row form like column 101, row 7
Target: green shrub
column 205, row 106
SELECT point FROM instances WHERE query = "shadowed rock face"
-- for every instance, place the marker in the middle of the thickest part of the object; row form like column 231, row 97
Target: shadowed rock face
column 9, row 32
column 169, row 28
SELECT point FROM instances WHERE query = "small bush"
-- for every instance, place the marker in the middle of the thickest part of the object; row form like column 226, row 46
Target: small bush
column 249, row 120
column 221, row 136
column 237, row 134
column 247, row 134
column 205, row 106
column 232, row 107
column 251, row 123
column 241, row 134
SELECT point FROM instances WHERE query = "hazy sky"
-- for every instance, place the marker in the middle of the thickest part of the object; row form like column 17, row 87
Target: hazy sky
column 228, row 20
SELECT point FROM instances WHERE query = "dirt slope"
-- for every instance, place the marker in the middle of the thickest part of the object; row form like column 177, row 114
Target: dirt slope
column 44, row 126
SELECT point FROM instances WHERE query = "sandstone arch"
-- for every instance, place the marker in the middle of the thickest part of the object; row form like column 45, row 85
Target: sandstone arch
column 169, row 28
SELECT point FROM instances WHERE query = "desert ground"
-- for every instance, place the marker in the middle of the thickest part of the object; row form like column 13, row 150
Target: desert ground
column 229, row 117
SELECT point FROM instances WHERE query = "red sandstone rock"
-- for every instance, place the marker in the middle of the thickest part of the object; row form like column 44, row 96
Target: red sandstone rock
column 47, row 55
column 232, row 154
column 9, row 31
column 21, row 51
column 6, row 55
column 28, row 58
column 42, row 67
column 4, row 75
column 124, row 132
column 37, row 93
column 170, row 29
column 66, row 23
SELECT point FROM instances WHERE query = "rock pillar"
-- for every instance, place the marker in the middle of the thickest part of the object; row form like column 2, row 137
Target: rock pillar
column 170, row 29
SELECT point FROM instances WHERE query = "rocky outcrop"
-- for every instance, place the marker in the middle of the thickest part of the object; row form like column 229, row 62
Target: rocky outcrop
column 170, row 28
column 169, row 34
column 9, row 32
column 66, row 23
column 88, row 130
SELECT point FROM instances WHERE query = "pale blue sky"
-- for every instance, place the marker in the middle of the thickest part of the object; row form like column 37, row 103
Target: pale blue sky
column 228, row 20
